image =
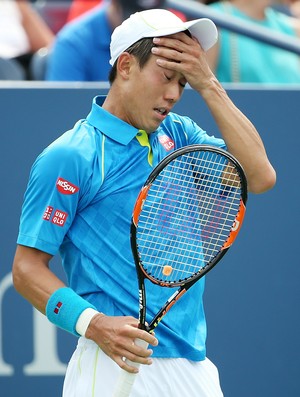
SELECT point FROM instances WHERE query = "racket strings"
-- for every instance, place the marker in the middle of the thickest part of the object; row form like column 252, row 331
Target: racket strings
column 188, row 215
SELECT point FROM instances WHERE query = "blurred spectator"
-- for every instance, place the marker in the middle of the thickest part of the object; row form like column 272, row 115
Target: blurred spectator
column 81, row 50
column 295, row 8
column 22, row 33
column 54, row 12
column 237, row 58
column 289, row 7
column 79, row 7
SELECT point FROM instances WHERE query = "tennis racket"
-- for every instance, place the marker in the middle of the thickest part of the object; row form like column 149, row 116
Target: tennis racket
column 185, row 219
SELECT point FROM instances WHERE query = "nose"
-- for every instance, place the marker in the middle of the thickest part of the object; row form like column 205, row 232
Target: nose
column 173, row 93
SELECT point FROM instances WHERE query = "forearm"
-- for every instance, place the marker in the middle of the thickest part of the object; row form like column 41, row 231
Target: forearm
column 38, row 32
column 241, row 137
column 32, row 277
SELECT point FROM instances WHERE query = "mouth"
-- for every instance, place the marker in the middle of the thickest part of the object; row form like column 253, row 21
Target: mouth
column 162, row 111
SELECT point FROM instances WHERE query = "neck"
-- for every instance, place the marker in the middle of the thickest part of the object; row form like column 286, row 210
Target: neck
column 113, row 102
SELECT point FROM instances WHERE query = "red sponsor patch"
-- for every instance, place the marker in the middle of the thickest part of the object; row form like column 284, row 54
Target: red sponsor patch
column 66, row 187
column 59, row 218
column 166, row 142
column 48, row 213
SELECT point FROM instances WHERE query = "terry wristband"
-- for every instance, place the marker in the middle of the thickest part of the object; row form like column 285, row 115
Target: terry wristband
column 64, row 308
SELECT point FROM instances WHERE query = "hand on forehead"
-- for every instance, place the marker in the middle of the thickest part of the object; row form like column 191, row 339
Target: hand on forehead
column 175, row 41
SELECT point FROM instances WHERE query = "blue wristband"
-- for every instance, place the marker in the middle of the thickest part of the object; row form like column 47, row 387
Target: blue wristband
column 64, row 308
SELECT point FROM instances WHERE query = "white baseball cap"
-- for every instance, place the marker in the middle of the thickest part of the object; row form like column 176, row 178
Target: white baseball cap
column 158, row 23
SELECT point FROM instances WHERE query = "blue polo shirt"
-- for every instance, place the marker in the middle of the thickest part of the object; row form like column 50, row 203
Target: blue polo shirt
column 81, row 49
column 79, row 201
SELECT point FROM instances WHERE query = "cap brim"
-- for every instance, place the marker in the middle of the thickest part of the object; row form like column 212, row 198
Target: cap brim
column 205, row 32
column 165, row 32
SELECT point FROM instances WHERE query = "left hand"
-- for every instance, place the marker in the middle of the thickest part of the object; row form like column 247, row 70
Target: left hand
column 184, row 55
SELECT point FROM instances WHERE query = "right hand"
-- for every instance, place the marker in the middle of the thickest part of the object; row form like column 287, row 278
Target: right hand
column 116, row 335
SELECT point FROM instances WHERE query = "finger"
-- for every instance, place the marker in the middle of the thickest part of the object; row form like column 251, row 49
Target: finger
column 133, row 332
column 179, row 41
column 137, row 358
column 130, row 362
column 147, row 337
column 135, row 345
column 168, row 54
column 139, row 348
column 167, row 64
column 121, row 361
column 138, row 351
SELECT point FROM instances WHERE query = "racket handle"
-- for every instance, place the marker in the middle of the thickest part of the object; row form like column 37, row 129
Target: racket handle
column 126, row 379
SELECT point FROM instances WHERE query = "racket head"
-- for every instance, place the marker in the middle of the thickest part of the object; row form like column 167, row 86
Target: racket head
column 187, row 214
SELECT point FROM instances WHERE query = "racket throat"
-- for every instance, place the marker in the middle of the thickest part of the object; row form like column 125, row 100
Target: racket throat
column 145, row 327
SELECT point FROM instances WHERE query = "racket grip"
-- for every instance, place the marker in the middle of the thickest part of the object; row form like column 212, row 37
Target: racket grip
column 126, row 379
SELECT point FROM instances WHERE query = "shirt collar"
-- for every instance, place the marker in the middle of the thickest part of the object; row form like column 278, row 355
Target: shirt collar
column 110, row 125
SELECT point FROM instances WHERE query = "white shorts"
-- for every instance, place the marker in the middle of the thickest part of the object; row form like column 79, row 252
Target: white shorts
column 91, row 373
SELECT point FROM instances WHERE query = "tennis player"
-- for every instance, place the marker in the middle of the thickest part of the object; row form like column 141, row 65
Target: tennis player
column 79, row 202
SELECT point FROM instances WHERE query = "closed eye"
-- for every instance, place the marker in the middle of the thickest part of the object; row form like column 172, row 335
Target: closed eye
column 169, row 78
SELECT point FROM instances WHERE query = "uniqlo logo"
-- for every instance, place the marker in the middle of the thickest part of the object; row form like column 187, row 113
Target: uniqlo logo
column 48, row 213
column 59, row 218
column 166, row 142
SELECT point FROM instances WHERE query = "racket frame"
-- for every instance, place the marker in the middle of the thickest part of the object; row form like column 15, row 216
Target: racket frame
column 185, row 284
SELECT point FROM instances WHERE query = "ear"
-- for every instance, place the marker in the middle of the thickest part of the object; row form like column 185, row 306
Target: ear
column 125, row 65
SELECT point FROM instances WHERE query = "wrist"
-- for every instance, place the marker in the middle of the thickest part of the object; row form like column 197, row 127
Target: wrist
column 211, row 90
column 94, row 327
column 84, row 320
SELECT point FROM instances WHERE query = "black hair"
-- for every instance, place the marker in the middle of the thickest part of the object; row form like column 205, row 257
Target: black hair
column 141, row 50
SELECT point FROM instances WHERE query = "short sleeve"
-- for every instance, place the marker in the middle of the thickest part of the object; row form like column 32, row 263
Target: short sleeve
column 196, row 135
column 59, row 185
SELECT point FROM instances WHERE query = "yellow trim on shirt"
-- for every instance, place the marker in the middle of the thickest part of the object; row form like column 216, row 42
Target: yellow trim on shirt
column 143, row 139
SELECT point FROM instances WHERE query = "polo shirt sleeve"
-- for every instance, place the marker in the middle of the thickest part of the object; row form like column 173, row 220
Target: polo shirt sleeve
column 59, row 186
column 196, row 135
